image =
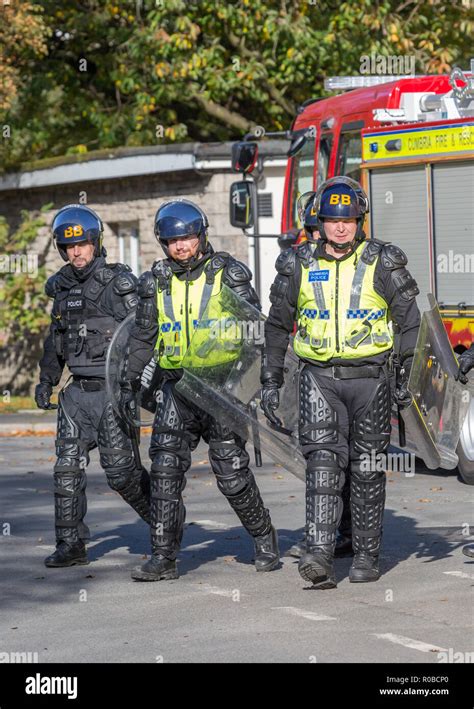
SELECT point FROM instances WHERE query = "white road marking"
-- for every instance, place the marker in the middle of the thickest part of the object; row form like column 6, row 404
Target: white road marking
column 108, row 538
column 216, row 591
column 210, row 524
column 201, row 545
column 309, row 615
column 89, row 545
column 410, row 642
column 459, row 574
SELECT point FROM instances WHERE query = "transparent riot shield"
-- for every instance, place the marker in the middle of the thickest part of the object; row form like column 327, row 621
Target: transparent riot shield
column 434, row 420
column 222, row 376
column 142, row 413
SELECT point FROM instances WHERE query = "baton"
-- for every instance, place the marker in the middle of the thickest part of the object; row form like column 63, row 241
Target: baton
column 401, row 423
column 256, row 434
column 134, row 434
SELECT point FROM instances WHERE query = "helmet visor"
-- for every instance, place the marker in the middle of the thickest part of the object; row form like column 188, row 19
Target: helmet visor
column 74, row 225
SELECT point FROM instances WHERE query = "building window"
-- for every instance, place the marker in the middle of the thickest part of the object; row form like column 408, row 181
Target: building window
column 129, row 251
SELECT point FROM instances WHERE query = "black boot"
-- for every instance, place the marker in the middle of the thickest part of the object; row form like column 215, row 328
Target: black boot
column 317, row 567
column 298, row 549
column 67, row 555
column 365, row 568
column 158, row 568
column 267, row 555
column 343, row 545
column 368, row 502
column 324, row 482
column 167, row 524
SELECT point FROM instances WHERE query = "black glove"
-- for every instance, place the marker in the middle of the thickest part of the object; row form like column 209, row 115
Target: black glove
column 43, row 393
column 128, row 393
column 271, row 379
column 270, row 401
column 466, row 363
column 403, row 397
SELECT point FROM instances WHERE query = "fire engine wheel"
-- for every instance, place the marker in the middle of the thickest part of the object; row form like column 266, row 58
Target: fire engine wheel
column 465, row 449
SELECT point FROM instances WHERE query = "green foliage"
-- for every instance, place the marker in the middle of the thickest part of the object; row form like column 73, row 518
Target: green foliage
column 23, row 303
column 23, row 36
column 170, row 70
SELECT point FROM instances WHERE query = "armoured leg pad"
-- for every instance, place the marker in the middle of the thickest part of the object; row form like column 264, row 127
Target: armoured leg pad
column 367, row 505
column 241, row 490
column 167, row 511
column 70, row 506
column 324, row 483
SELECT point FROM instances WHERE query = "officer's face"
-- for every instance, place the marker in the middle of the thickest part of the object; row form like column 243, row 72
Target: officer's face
column 81, row 254
column 340, row 230
column 183, row 248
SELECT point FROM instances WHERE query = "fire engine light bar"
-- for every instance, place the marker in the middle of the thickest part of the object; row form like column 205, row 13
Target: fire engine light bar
column 393, row 144
column 345, row 83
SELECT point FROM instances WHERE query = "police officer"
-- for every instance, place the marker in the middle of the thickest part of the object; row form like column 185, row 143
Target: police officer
column 172, row 299
column 308, row 217
column 466, row 363
column 342, row 291
column 90, row 298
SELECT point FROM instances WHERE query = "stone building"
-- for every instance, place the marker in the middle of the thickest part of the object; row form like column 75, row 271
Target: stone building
column 126, row 186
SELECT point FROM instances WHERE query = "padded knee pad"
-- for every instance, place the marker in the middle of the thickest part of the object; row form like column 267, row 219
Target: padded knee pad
column 371, row 431
column 318, row 421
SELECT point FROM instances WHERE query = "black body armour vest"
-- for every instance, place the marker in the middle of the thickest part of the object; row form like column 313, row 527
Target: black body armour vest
column 85, row 325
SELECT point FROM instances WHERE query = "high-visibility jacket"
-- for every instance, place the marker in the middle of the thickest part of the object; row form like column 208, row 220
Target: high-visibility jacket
column 216, row 340
column 339, row 313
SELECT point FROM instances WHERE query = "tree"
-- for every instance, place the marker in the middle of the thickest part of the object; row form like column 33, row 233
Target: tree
column 140, row 72
column 23, row 38
column 24, row 305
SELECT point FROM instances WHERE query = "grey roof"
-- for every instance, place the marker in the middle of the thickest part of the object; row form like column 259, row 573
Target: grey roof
column 117, row 163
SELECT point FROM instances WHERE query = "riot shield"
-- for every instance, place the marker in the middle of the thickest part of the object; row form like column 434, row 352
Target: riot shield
column 434, row 420
column 222, row 376
column 115, row 369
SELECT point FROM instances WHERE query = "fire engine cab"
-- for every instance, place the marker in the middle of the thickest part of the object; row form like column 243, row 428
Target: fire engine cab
column 410, row 142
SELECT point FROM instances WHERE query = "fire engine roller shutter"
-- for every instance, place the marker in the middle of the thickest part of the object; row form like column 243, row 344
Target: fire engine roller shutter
column 398, row 206
column 453, row 200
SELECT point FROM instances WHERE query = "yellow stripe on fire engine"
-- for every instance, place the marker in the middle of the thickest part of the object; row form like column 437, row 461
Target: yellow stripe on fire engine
column 418, row 141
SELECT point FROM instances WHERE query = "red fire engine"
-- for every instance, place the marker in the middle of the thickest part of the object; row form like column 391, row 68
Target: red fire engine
column 410, row 142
